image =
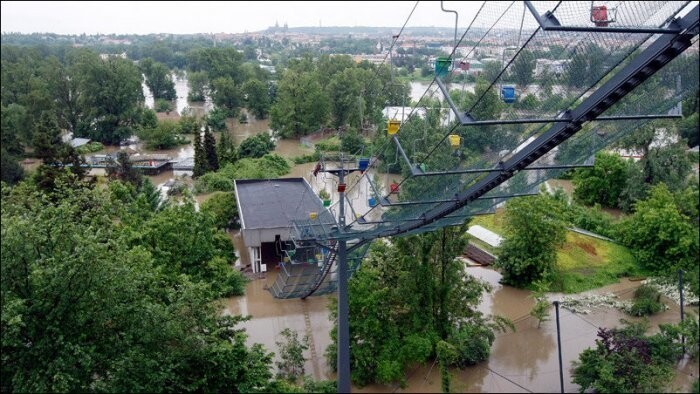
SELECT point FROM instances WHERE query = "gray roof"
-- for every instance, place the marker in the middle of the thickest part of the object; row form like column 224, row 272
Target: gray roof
column 76, row 142
column 274, row 203
column 186, row 164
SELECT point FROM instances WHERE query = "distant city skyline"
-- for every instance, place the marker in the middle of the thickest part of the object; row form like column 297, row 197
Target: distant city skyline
column 178, row 17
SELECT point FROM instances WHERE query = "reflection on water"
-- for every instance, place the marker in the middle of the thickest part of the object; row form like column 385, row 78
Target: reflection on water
column 182, row 89
column 270, row 316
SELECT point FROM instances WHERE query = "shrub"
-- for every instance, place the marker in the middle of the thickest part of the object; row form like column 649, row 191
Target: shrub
column 624, row 360
column 310, row 158
column 222, row 207
column 212, row 182
column 217, row 119
column 472, row 343
column 256, row 146
column 90, row 147
column 647, row 301
column 330, row 144
column 229, row 282
column 163, row 105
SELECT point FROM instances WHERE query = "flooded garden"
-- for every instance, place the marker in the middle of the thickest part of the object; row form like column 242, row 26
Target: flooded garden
column 524, row 360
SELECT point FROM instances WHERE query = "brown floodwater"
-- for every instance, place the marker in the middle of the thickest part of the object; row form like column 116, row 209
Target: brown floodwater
column 269, row 316
column 526, row 359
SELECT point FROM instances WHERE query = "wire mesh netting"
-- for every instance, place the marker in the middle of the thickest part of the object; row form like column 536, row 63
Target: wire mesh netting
column 503, row 84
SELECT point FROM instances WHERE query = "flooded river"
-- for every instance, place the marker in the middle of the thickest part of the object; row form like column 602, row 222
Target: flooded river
column 520, row 361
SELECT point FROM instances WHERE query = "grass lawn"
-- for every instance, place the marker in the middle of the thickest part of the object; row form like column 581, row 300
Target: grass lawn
column 493, row 222
column 584, row 262
column 587, row 263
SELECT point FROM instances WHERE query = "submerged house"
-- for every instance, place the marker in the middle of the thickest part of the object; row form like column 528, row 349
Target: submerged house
column 267, row 208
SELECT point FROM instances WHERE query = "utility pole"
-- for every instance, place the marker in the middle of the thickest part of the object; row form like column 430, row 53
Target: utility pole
column 343, row 321
column 561, row 369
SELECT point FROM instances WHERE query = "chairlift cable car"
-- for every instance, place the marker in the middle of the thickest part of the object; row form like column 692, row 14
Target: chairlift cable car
column 601, row 15
column 508, row 93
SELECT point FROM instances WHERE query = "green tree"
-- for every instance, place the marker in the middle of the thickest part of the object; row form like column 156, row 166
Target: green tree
column 291, row 364
column 99, row 314
column 603, row 184
column 16, row 129
column 533, row 232
column 523, row 67
column 352, row 142
column 660, row 235
column 669, row 165
column 188, row 124
column 226, row 150
column 163, row 105
column 585, row 67
column 158, row 79
column 222, row 207
column 302, row 105
column 216, row 119
column 626, row 361
column 164, row 136
column 257, row 98
column 112, row 98
column 688, row 129
column 150, row 194
column 200, row 158
column 46, row 139
column 344, row 90
column 226, row 94
column 647, row 301
column 635, row 188
column 124, row 171
column 217, row 63
column 408, row 296
column 199, row 82
column 12, row 172
column 540, row 310
column 209, row 146
column 55, row 154
column 446, row 355
column 256, row 146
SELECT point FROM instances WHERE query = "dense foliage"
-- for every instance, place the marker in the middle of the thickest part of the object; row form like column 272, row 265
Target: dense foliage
column 661, row 234
column 534, row 230
column 100, row 293
column 410, row 295
column 626, row 361
column 256, row 146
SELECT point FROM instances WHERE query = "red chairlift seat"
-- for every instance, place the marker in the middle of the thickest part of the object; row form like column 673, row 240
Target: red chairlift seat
column 601, row 15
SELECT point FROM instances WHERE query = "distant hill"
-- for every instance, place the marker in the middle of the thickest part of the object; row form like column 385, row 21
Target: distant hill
column 369, row 30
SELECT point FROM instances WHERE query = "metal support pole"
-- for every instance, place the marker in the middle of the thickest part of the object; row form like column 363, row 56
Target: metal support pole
column 561, row 369
column 343, row 323
column 680, row 290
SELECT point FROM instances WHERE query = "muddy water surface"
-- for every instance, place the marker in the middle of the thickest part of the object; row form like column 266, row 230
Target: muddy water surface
column 270, row 316
column 526, row 360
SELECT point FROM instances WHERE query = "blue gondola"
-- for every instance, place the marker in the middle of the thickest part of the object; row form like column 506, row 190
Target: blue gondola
column 508, row 94
column 363, row 163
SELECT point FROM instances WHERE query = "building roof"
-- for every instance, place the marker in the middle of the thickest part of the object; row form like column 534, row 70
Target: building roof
column 274, row 203
column 76, row 142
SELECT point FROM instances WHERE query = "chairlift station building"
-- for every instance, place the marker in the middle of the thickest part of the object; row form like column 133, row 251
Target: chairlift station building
column 267, row 208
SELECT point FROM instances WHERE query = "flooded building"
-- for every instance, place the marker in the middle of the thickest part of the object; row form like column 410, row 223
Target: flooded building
column 267, row 208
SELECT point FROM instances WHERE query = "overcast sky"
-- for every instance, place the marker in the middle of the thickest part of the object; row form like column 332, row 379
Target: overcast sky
column 68, row 17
